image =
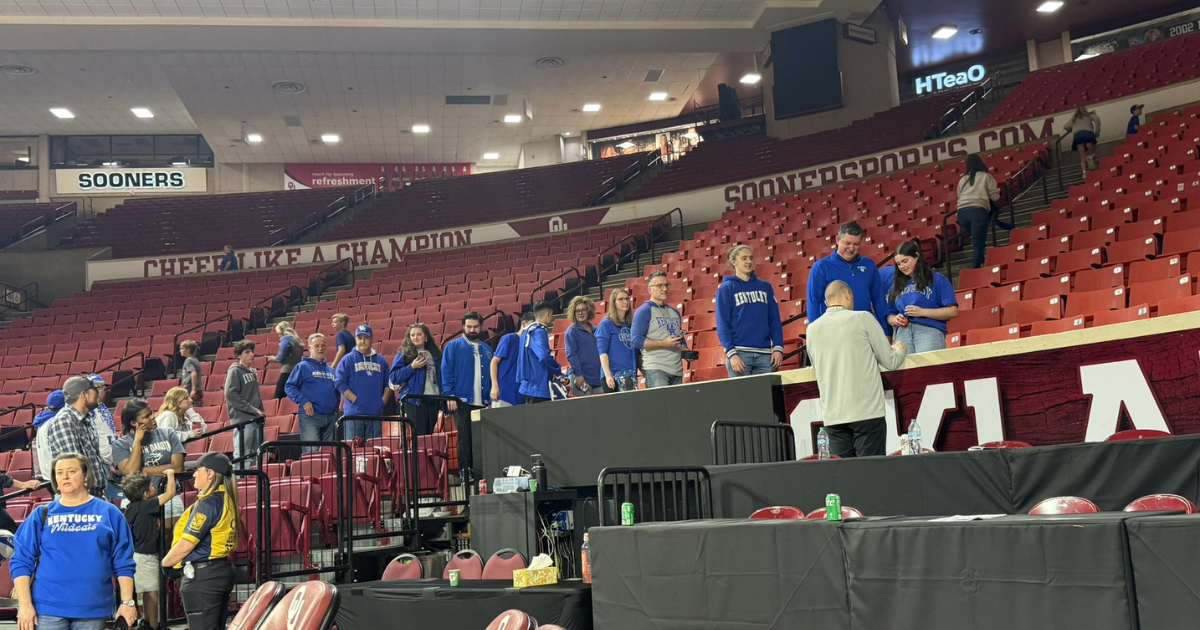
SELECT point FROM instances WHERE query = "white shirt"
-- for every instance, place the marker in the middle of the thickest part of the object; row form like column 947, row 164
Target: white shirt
column 477, row 389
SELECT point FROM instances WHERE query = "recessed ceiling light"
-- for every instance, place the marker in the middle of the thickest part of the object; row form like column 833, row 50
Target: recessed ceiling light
column 591, row 107
column 491, row 156
column 330, row 138
column 253, row 138
column 658, row 96
column 23, row 158
column 420, row 128
column 752, row 78
column 1050, row 6
column 625, row 145
column 566, row 133
column 512, row 118
column 61, row 112
column 142, row 112
column 945, row 31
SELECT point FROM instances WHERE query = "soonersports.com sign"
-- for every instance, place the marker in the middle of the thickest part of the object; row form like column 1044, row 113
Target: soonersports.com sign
column 131, row 180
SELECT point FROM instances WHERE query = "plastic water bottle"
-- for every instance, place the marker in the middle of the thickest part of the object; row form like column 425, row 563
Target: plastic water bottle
column 822, row 444
column 914, row 438
column 585, row 559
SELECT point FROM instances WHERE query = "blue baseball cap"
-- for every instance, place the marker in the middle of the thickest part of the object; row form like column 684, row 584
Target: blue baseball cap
column 97, row 379
column 363, row 329
column 56, row 399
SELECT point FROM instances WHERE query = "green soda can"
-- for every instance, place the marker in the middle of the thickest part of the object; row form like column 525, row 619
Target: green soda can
column 627, row 513
column 833, row 507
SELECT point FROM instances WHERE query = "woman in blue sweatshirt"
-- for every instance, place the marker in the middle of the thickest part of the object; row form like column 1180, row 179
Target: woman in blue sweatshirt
column 614, row 340
column 748, row 323
column 77, row 544
column 583, row 354
column 415, row 373
column 920, row 300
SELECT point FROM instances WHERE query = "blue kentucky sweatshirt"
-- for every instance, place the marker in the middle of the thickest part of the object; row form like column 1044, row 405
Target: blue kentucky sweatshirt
column 536, row 364
column 77, row 551
column 312, row 381
column 870, row 294
column 367, row 377
column 748, row 316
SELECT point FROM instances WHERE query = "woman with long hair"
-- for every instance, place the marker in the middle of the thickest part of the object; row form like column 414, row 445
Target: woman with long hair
column 614, row 340
column 583, row 353
column 291, row 351
column 415, row 372
column 920, row 301
column 1085, row 126
column 203, row 540
column 76, row 544
column 178, row 415
column 977, row 191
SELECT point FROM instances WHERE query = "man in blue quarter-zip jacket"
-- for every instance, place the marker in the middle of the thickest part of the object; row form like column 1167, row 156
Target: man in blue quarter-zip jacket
column 361, row 377
column 467, row 376
column 859, row 272
column 536, row 365
column 748, row 323
column 311, row 387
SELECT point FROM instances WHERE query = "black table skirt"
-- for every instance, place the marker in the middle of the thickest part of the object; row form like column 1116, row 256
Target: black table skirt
column 1166, row 569
column 719, row 575
column 470, row 606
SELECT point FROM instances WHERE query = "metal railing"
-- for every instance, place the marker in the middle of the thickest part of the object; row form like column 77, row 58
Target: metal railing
column 133, row 376
column 13, row 298
column 411, row 516
column 578, row 289
column 316, row 219
column 751, row 443
column 954, row 120
column 704, row 114
column 658, row 494
column 612, row 185
column 506, row 325
column 618, row 258
column 177, row 359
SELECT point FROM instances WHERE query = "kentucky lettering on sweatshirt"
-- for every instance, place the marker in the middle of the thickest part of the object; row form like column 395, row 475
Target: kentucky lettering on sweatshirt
column 241, row 393
column 367, row 377
column 311, row 381
column 748, row 316
column 77, row 551
column 658, row 323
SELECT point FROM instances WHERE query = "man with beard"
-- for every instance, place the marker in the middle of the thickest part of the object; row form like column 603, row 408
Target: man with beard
column 466, row 375
column 71, row 431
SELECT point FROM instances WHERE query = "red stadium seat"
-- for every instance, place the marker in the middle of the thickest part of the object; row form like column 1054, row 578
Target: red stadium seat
column 1090, row 302
column 976, row 318
column 1136, row 434
column 1130, row 251
column 989, row 335
column 404, row 567
column 1059, row 285
column 1174, row 306
column 1131, row 314
column 513, row 620
column 1163, row 503
column 1001, row 444
column 309, row 606
column 502, row 564
column 1058, row 326
column 252, row 613
column 1156, row 291
column 1030, row 311
column 1065, row 505
column 982, row 277
column 782, row 512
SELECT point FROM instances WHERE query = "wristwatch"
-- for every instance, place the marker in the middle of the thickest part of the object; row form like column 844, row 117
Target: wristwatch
column 132, row 603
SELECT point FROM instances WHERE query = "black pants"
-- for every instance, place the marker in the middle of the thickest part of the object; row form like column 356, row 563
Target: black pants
column 279, row 391
column 466, row 456
column 858, row 439
column 206, row 596
column 423, row 416
column 533, row 400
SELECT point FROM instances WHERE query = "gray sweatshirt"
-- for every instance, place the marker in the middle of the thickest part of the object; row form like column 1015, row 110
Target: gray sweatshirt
column 1089, row 123
column 241, row 394
column 846, row 349
column 654, row 322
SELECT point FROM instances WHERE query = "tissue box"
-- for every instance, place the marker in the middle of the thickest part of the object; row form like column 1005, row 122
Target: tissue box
column 535, row 577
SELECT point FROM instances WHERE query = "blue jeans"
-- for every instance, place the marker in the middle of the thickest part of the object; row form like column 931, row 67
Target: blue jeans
column 920, row 338
column 659, row 378
column 317, row 427
column 976, row 222
column 363, row 429
column 50, row 622
column 755, row 362
column 251, row 434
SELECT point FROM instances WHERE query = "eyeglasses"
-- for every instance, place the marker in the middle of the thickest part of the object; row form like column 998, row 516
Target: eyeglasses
column 624, row 299
column 660, row 286
column 580, row 310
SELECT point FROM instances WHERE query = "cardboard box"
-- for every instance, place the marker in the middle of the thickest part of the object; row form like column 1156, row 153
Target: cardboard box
column 535, row 577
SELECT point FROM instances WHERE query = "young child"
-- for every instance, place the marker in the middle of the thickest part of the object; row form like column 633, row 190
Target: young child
column 142, row 516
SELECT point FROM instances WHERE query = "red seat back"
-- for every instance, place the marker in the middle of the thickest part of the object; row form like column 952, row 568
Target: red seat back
column 502, row 564
column 1065, row 505
column 1136, row 434
column 513, row 620
column 1161, row 502
column 252, row 613
column 469, row 564
column 778, row 512
column 404, row 567
column 310, row 606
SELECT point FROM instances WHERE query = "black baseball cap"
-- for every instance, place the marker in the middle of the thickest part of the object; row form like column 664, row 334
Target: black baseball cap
column 1134, row 108
column 216, row 462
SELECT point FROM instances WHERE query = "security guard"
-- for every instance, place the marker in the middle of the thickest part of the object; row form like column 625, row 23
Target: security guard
column 205, row 536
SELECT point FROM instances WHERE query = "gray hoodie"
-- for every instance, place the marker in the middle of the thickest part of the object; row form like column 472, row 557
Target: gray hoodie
column 241, row 394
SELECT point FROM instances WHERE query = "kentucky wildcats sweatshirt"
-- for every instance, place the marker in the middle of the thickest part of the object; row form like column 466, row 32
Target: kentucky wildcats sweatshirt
column 367, row 377
column 748, row 316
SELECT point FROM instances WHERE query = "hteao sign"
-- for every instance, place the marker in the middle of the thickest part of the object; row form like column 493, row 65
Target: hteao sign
column 946, row 80
column 100, row 181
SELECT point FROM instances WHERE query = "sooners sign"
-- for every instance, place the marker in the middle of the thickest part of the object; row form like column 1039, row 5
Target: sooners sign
column 1072, row 387
column 100, row 181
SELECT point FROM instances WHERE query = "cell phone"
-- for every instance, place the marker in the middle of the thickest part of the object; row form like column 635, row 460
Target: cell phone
column 689, row 355
column 423, row 354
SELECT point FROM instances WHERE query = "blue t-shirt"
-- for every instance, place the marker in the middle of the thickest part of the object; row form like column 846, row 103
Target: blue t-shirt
column 509, row 351
column 1134, row 122
column 345, row 339
column 939, row 295
column 77, row 551
column 229, row 262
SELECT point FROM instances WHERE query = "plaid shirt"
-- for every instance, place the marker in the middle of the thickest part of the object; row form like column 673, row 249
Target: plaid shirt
column 72, row 432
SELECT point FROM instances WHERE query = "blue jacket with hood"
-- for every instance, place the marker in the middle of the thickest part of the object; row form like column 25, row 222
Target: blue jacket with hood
column 536, row 364
column 748, row 316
